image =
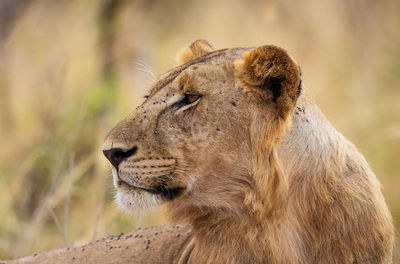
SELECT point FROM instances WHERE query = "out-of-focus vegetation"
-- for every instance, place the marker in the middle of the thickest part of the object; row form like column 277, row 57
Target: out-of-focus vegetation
column 70, row 69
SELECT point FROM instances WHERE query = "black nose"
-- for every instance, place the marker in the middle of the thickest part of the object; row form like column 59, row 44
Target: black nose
column 116, row 155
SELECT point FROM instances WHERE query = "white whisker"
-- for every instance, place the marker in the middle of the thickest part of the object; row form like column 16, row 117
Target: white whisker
column 145, row 68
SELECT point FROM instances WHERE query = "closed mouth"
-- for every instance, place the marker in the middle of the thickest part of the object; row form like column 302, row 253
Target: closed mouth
column 165, row 192
column 129, row 185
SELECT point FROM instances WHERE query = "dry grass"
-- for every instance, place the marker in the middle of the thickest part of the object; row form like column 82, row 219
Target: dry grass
column 69, row 71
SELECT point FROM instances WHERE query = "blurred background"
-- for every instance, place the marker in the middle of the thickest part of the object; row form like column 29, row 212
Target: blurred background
column 71, row 69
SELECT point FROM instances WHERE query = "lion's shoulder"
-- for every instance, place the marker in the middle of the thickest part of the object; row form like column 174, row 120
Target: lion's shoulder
column 156, row 244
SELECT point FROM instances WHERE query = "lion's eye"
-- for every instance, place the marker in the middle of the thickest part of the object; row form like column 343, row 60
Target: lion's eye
column 191, row 98
column 187, row 101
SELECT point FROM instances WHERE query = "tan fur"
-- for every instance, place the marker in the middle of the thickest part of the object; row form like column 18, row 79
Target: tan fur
column 195, row 50
column 262, row 66
column 252, row 166
column 156, row 244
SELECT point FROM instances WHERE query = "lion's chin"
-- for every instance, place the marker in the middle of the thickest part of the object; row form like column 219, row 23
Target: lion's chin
column 134, row 201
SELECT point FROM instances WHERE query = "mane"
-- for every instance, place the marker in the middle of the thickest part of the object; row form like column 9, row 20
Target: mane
column 259, row 211
column 294, row 199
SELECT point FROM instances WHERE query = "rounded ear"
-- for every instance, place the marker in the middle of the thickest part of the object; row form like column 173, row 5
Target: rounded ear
column 197, row 49
column 271, row 75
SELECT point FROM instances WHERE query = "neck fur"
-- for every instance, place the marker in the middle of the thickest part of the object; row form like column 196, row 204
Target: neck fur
column 264, row 229
column 268, row 226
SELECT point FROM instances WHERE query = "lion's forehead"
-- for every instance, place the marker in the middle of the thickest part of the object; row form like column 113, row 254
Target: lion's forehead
column 218, row 57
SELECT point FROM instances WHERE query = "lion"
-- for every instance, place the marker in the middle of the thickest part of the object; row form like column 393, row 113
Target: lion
column 242, row 157
column 236, row 149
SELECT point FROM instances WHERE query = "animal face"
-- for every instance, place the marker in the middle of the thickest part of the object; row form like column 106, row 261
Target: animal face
column 191, row 138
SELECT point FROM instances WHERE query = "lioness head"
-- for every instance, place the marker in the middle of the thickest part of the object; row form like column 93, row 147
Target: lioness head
column 207, row 130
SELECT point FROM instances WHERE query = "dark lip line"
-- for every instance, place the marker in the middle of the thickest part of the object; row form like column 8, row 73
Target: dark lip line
column 169, row 194
column 137, row 187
